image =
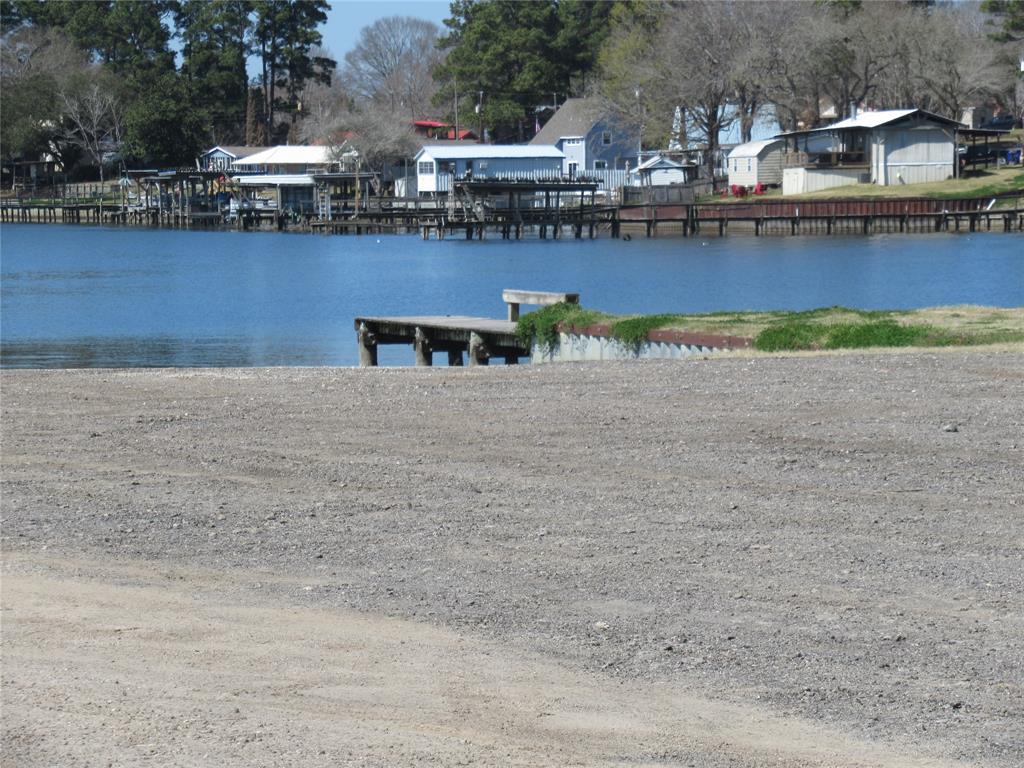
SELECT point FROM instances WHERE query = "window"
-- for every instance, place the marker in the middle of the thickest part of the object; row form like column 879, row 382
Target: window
column 573, row 168
column 748, row 165
column 426, row 167
column 735, row 164
column 600, row 165
column 606, row 138
column 573, row 142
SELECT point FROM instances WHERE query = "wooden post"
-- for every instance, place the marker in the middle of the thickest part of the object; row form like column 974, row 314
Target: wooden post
column 367, row 347
column 478, row 354
column 424, row 353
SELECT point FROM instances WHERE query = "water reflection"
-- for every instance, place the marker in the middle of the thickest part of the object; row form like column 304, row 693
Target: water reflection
column 157, row 352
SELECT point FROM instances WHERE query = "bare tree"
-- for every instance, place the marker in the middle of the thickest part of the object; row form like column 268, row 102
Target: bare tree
column 956, row 63
column 377, row 136
column 392, row 65
column 323, row 107
column 35, row 64
column 700, row 45
column 93, row 114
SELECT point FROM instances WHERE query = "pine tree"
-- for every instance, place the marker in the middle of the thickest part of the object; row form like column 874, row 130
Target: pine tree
column 255, row 127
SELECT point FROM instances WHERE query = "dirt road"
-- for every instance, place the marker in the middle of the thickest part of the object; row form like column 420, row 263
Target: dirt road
column 744, row 562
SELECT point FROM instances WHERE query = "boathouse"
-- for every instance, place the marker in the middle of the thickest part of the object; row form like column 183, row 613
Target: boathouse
column 756, row 162
column 287, row 174
column 438, row 165
column 893, row 146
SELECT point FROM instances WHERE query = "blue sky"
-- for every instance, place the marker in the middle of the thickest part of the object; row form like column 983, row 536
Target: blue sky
column 347, row 17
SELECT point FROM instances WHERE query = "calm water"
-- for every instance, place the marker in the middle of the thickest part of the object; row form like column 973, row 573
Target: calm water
column 81, row 296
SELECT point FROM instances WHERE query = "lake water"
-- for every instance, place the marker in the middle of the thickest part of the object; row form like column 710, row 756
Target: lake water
column 100, row 297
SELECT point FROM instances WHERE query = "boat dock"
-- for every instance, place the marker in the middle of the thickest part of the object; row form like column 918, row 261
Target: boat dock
column 511, row 210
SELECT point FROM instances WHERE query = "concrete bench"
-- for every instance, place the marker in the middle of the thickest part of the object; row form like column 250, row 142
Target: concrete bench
column 537, row 298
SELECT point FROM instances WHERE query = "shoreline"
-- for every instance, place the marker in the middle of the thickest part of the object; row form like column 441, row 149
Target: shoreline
column 589, row 563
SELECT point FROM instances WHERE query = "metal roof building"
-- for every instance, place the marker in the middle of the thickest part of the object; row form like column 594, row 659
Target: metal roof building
column 892, row 146
column 437, row 165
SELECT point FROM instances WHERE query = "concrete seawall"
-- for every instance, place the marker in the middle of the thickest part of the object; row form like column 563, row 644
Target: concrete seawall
column 596, row 342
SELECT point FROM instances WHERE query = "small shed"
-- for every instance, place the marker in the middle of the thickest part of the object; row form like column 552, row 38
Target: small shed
column 658, row 170
column 756, row 162
column 437, row 165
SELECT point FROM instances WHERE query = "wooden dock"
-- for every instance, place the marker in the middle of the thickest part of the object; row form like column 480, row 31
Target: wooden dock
column 481, row 338
column 553, row 209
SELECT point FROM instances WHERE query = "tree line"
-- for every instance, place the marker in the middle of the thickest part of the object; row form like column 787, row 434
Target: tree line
column 165, row 78
column 154, row 81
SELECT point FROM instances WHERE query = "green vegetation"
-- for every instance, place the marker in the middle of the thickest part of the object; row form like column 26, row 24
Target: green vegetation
column 824, row 328
column 542, row 325
column 96, row 82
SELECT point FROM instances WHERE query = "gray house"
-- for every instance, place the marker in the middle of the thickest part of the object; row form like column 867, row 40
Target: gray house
column 221, row 158
column 590, row 139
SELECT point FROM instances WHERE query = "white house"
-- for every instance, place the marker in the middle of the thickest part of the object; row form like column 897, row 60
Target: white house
column 756, row 162
column 437, row 165
column 287, row 173
column 893, row 146
column 290, row 159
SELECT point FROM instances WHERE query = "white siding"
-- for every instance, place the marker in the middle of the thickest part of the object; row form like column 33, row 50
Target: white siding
column 918, row 155
column 739, row 173
column 484, row 167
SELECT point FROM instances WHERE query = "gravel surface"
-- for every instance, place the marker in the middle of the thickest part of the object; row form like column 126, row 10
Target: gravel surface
column 733, row 561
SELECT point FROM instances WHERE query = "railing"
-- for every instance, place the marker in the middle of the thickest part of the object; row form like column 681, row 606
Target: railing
column 605, row 179
column 825, row 159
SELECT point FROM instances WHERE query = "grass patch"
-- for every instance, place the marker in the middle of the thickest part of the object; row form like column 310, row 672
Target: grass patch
column 821, row 328
column 540, row 326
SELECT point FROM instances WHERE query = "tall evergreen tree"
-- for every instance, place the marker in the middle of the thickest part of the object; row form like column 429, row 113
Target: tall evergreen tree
column 509, row 56
column 214, row 35
column 285, row 34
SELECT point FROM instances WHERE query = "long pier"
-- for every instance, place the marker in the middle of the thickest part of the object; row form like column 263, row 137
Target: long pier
column 513, row 210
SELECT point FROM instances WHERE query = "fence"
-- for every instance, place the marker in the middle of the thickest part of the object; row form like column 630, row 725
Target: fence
column 675, row 193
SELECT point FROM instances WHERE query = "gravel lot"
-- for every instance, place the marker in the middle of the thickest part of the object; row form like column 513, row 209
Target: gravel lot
column 745, row 561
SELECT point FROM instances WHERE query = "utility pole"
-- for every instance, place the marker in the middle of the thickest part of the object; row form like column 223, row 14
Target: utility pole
column 456, row 106
column 480, row 113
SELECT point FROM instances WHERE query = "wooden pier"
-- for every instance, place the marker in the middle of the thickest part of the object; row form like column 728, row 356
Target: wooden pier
column 481, row 338
column 480, row 208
